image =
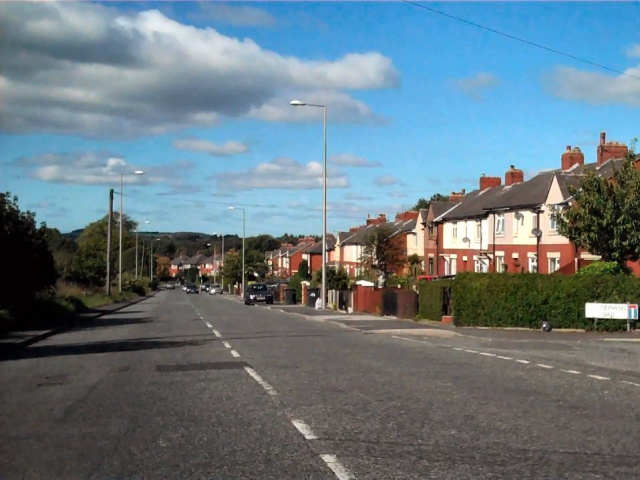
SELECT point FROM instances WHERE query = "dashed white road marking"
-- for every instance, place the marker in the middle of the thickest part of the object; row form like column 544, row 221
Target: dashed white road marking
column 504, row 358
column 208, row 324
column 226, row 344
column 217, row 333
column 458, row 349
column 407, row 339
column 304, row 429
column 631, row 383
column 487, row 354
column 471, row 351
column 598, row 377
column 336, row 467
column 542, row 365
column 523, row 361
column 234, row 353
column 264, row 384
column 574, row 372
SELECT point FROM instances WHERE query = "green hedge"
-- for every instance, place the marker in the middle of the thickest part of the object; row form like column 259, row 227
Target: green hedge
column 430, row 298
column 526, row 300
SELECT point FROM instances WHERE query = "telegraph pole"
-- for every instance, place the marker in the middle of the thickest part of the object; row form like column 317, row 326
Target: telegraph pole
column 110, row 216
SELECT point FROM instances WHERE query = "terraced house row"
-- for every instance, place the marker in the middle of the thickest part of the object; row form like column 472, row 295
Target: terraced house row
column 499, row 227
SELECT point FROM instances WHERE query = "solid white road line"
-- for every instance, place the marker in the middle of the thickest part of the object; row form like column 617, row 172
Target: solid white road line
column 523, row 361
column 208, row 324
column 631, row 383
column 574, row 372
column 487, row 354
column 270, row 390
column 542, row 365
column 226, row 344
column 235, row 354
column 407, row 339
column 336, row 467
column 304, row 429
column 471, row 351
column 598, row 377
column 504, row 358
column 217, row 333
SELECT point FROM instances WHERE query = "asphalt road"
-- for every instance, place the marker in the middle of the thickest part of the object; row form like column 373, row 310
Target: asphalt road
column 200, row 387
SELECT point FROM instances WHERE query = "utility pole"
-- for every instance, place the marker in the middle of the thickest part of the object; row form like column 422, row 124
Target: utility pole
column 108, row 285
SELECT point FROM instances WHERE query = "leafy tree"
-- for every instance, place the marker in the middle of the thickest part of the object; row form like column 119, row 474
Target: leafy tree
column 383, row 253
column 170, row 250
column 599, row 269
column 193, row 274
column 20, row 240
column 63, row 250
column 415, row 265
column 255, row 264
column 162, row 265
column 337, row 279
column 423, row 203
column 303, row 270
column 262, row 243
column 604, row 219
column 232, row 269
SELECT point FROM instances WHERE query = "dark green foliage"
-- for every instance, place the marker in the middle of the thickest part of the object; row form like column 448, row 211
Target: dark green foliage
column 296, row 284
column 526, row 300
column 423, row 203
column 262, row 243
column 336, row 279
column 303, row 270
column 33, row 267
column 430, row 298
column 193, row 274
column 601, row 268
column 232, row 270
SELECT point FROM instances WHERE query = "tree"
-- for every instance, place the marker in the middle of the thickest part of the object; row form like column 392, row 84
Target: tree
column 192, row 274
column 33, row 268
column 162, row 264
column 415, row 265
column 604, row 218
column 383, row 252
column 63, row 250
column 423, row 203
column 232, row 269
column 303, row 270
column 255, row 264
column 336, row 279
column 262, row 243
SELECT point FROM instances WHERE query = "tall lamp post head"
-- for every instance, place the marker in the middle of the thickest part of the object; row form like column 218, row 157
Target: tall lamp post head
column 297, row 103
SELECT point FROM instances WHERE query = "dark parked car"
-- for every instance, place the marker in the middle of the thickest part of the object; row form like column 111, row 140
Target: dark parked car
column 258, row 292
column 192, row 289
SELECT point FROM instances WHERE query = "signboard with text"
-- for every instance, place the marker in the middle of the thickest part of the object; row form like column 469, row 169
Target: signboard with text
column 616, row 311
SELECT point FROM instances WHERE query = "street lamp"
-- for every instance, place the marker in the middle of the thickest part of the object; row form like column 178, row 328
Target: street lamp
column 243, row 234
column 151, row 258
column 137, row 172
column 299, row 103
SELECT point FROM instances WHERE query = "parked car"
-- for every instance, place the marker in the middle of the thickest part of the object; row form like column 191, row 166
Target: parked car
column 258, row 292
column 215, row 289
column 192, row 289
column 184, row 288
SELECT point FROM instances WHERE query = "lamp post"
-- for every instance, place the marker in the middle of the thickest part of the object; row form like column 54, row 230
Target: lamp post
column 137, row 228
column 243, row 234
column 151, row 257
column 299, row 103
column 137, row 172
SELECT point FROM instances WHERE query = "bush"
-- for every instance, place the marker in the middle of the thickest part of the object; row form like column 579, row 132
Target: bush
column 526, row 300
column 296, row 283
column 601, row 268
column 430, row 298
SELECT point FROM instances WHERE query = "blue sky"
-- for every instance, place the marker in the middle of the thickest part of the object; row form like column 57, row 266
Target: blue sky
column 196, row 95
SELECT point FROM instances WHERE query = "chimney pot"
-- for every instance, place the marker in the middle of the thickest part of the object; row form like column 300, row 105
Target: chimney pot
column 513, row 176
column 571, row 157
column 603, row 137
column 568, row 148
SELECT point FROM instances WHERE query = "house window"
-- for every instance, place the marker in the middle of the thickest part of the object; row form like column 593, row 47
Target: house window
column 446, row 266
column 553, row 222
column 533, row 264
column 454, row 266
column 518, row 221
column 479, row 230
column 454, row 231
column 534, row 221
column 500, row 224
column 554, row 265
column 431, row 266
column 480, row 266
column 415, row 239
column 500, row 265
column 432, row 230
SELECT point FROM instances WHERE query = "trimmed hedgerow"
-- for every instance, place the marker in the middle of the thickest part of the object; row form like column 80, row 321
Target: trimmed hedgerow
column 430, row 298
column 526, row 300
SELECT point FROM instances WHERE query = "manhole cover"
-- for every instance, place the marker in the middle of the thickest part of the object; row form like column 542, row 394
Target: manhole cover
column 196, row 367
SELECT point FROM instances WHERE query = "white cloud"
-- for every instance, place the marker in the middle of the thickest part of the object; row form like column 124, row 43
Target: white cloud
column 90, row 168
column 386, row 180
column 236, row 15
column 91, row 70
column 349, row 160
column 283, row 173
column 357, row 196
column 634, row 50
column 595, row 88
column 198, row 145
column 475, row 86
column 397, row 194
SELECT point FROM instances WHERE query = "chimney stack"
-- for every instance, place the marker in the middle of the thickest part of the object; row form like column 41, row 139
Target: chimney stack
column 489, row 182
column 382, row 218
column 514, row 175
column 572, row 157
column 611, row 150
column 457, row 196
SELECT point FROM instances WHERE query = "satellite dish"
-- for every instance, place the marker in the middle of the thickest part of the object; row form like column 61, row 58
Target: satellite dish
column 536, row 232
column 466, row 240
column 519, row 216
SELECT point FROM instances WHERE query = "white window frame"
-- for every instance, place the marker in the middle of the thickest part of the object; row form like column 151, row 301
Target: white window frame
column 499, row 227
column 533, row 264
column 479, row 230
column 446, row 266
column 500, row 263
column 453, row 266
column 431, row 265
column 517, row 223
column 554, row 262
column 454, row 230
column 479, row 266
column 553, row 223
column 534, row 221
column 415, row 240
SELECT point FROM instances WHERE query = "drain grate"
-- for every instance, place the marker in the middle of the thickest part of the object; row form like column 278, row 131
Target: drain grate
column 198, row 367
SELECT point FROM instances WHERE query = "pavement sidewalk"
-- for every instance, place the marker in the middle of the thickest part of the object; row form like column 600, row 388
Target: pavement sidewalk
column 23, row 338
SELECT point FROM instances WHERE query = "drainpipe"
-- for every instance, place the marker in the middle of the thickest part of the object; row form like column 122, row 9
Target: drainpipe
column 493, row 262
column 437, row 251
column 538, row 242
